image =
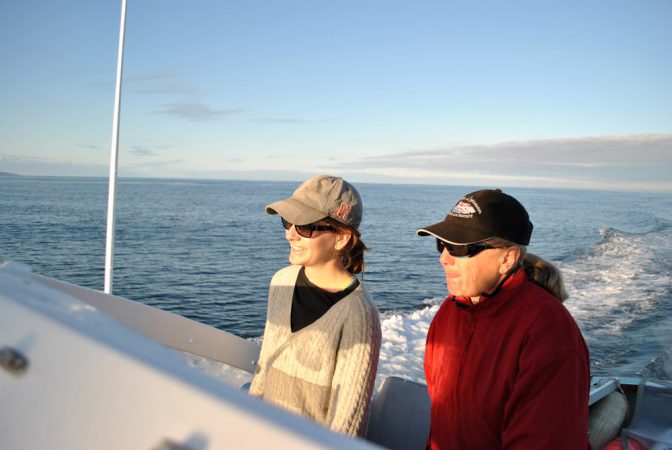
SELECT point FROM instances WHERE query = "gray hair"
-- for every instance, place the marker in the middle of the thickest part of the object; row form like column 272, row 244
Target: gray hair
column 538, row 269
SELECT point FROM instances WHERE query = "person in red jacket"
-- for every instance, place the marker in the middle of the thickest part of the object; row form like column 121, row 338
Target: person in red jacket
column 506, row 365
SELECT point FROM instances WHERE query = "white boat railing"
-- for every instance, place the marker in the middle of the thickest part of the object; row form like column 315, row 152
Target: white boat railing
column 169, row 329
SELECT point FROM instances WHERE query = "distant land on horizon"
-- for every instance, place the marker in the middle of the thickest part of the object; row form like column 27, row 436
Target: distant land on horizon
column 9, row 174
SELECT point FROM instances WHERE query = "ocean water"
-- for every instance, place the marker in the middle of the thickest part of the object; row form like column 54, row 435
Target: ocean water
column 207, row 250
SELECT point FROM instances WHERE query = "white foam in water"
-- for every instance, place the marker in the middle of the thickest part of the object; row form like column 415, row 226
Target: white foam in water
column 403, row 346
column 616, row 274
column 615, row 290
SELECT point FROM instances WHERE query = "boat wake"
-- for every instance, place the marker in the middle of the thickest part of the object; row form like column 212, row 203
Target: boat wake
column 621, row 297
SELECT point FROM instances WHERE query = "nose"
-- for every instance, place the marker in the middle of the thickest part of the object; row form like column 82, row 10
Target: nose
column 446, row 258
column 291, row 234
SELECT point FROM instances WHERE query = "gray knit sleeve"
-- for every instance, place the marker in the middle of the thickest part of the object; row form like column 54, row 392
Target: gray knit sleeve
column 355, row 371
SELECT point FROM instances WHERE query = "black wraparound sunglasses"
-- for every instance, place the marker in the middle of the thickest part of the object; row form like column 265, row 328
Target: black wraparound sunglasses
column 306, row 230
column 462, row 251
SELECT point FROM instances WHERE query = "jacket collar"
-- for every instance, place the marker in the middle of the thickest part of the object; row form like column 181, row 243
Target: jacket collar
column 494, row 302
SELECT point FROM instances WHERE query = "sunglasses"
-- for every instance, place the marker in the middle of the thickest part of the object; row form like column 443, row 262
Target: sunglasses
column 306, row 230
column 462, row 251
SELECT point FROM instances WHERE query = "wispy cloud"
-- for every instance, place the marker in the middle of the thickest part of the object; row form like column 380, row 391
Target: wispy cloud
column 160, row 83
column 31, row 165
column 286, row 120
column 636, row 162
column 196, row 112
column 180, row 94
column 153, row 168
column 9, row 158
column 91, row 146
column 182, row 100
column 141, row 151
column 578, row 152
column 152, row 83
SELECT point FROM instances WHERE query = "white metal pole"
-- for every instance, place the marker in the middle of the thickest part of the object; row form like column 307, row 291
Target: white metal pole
column 114, row 152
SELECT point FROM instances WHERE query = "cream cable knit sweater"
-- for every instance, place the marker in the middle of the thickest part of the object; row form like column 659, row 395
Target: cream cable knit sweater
column 326, row 370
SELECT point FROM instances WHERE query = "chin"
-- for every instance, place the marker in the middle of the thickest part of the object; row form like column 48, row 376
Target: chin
column 457, row 292
column 454, row 290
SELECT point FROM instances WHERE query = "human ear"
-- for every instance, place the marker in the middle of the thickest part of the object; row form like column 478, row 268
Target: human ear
column 342, row 240
column 509, row 259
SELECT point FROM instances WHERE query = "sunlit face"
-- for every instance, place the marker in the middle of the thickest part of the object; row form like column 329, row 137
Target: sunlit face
column 470, row 277
column 314, row 252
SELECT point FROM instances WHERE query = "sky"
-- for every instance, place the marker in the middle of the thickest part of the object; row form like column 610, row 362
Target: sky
column 567, row 94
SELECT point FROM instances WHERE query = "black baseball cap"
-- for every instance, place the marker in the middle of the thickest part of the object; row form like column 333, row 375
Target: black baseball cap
column 483, row 215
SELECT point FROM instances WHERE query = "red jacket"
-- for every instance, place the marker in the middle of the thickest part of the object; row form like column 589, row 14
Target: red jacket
column 509, row 372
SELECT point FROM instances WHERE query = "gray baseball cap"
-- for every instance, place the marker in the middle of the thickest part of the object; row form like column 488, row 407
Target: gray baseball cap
column 320, row 197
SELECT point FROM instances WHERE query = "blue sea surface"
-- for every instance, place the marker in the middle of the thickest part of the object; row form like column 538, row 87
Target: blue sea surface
column 207, row 250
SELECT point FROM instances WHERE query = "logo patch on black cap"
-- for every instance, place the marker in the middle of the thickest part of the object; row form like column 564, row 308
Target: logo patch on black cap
column 465, row 208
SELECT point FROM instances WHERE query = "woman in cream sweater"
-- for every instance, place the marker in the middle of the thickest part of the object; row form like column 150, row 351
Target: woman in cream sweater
column 322, row 339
